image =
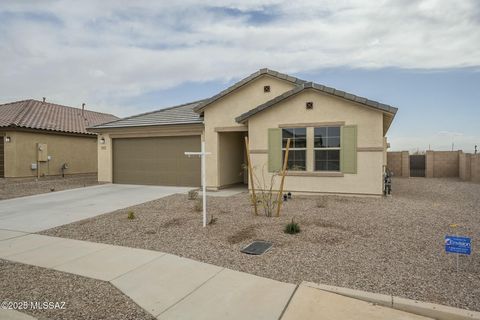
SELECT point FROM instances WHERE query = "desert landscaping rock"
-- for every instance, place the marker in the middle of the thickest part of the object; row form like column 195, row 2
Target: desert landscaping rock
column 84, row 298
column 14, row 188
column 391, row 245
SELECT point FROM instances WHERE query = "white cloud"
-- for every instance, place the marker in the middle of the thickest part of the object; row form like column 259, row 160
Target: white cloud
column 102, row 52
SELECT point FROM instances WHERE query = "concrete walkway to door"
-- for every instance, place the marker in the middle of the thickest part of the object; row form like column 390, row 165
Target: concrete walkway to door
column 45, row 211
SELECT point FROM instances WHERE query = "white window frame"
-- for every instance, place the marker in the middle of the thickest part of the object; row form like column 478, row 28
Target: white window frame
column 295, row 149
column 326, row 148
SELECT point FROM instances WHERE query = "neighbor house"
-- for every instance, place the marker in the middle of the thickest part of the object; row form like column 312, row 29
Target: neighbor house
column 39, row 138
column 338, row 142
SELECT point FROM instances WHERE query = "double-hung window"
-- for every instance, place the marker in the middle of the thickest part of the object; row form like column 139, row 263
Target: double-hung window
column 297, row 153
column 327, row 148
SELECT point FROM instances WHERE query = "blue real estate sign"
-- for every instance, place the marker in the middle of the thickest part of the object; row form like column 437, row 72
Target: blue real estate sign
column 461, row 245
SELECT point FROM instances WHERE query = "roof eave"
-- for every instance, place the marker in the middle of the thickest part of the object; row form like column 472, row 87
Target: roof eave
column 101, row 125
column 377, row 106
column 244, row 81
column 103, row 129
column 14, row 127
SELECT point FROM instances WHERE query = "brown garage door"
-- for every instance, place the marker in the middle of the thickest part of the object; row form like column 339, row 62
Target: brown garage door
column 156, row 161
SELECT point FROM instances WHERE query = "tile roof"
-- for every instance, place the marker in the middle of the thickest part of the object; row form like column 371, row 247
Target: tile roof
column 190, row 113
column 181, row 114
column 244, row 81
column 33, row 114
column 309, row 85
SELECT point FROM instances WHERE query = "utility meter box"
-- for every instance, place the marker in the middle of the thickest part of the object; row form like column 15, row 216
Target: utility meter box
column 42, row 154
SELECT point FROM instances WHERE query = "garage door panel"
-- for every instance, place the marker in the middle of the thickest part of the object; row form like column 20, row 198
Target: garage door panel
column 156, row 161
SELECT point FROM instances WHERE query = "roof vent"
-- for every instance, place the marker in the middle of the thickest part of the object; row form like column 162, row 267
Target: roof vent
column 44, row 99
column 309, row 105
column 266, row 88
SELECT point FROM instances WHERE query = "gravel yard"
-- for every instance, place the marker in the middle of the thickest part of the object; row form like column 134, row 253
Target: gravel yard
column 391, row 245
column 84, row 298
column 13, row 188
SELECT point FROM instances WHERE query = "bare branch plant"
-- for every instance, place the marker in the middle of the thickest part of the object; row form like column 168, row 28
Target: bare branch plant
column 266, row 197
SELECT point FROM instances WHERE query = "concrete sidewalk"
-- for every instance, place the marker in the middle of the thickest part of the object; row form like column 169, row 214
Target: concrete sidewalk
column 49, row 210
column 167, row 286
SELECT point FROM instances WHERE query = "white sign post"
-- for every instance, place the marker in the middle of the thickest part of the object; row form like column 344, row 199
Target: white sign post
column 202, row 155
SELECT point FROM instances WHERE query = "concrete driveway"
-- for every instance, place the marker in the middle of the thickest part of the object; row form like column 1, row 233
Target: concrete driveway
column 45, row 211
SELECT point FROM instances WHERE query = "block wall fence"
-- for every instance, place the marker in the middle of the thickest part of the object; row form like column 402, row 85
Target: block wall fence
column 469, row 168
column 399, row 163
column 438, row 164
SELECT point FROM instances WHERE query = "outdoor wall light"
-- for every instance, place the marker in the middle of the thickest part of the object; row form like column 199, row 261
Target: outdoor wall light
column 8, row 139
column 102, row 140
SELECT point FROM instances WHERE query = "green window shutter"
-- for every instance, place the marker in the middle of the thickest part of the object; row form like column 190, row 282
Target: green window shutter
column 348, row 144
column 274, row 149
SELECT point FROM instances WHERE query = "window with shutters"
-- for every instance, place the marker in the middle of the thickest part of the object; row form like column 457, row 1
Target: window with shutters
column 298, row 148
column 327, row 148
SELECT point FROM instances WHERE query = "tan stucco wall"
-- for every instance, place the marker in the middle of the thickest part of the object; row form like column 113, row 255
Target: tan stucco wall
column 385, row 150
column 326, row 110
column 222, row 114
column 105, row 164
column 79, row 152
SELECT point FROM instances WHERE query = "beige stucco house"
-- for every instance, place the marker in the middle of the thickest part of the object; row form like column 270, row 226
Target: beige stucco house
column 338, row 139
column 39, row 138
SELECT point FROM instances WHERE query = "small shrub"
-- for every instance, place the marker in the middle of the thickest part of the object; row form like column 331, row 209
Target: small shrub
column 131, row 215
column 292, row 228
column 322, row 202
column 212, row 220
column 192, row 195
column 198, row 207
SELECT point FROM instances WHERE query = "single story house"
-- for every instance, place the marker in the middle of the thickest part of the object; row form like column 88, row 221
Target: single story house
column 39, row 138
column 338, row 142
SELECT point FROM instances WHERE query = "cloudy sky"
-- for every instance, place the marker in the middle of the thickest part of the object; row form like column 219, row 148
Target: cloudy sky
column 127, row 57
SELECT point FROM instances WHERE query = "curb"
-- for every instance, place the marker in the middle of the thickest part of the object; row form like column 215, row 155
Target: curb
column 431, row 310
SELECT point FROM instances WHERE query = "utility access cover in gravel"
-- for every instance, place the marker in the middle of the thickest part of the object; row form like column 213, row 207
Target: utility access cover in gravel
column 257, row 248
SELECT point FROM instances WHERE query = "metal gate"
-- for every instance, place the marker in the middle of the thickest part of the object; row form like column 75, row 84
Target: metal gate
column 417, row 166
